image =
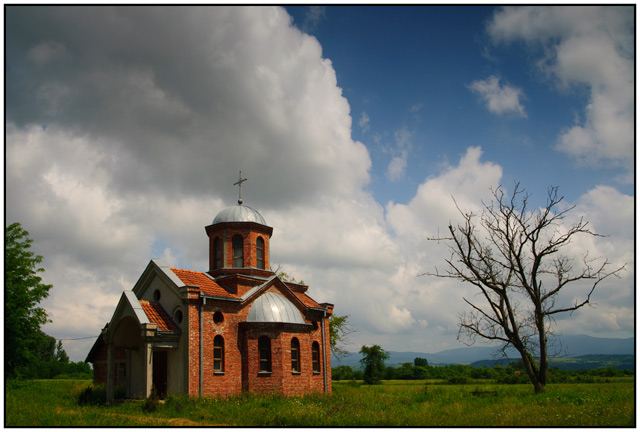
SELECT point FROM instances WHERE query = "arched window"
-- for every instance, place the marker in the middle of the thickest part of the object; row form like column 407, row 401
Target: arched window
column 218, row 354
column 315, row 356
column 238, row 251
column 217, row 253
column 264, row 351
column 260, row 252
column 295, row 355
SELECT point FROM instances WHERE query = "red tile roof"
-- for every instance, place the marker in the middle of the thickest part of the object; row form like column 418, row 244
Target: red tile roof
column 211, row 288
column 157, row 315
column 308, row 301
column 201, row 280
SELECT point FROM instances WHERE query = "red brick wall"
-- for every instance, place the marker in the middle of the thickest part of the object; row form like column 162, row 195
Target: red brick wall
column 241, row 361
column 241, row 336
column 249, row 234
column 100, row 366
column 282, row 379
column 215, row 384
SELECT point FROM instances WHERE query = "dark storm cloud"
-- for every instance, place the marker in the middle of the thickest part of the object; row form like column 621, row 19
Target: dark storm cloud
column 185, row 96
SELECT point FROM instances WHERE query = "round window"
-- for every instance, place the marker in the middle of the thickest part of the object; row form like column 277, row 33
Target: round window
column 218, row 317
column 178, row 316
column 156, row 295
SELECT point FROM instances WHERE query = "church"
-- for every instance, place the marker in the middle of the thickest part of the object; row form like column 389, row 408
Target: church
column 235, row 328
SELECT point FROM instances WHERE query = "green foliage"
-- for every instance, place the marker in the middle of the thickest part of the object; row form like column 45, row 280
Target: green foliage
column 339, row 331
column 458, row 379
column 93, row 395
column 419, row 361
column 152, row 402
column 24, row 290
column 285, row 277
column 61, row 355
column 45, row 348
column 341, row 373
column 460, row 374
column 56, row 369
column 373, row 362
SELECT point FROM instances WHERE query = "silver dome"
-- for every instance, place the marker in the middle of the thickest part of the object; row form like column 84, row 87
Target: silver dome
column 239, row 213
column 272, row 307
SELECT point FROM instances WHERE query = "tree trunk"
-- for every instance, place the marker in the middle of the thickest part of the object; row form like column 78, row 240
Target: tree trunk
column 538, row 387
column 544, row 360
column 536, row 375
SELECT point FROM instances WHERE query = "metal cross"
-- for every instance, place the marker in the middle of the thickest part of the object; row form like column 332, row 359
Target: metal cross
column 239, row 184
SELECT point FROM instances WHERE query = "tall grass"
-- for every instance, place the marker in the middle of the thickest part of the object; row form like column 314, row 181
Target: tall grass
column 394, row 403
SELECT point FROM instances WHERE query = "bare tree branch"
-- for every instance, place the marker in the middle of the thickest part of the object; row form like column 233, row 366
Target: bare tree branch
column 512, row 255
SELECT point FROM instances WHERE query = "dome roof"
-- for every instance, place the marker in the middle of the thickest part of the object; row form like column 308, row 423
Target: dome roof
column 272, row 307
column 239, row 213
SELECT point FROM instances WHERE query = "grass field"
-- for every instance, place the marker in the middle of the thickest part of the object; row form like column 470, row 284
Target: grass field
column 394, row 403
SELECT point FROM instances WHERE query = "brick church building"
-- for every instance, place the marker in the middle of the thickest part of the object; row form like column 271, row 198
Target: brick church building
column 237, row 327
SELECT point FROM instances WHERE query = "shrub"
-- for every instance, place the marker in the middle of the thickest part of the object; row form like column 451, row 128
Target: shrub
column 514, row 378
column 458, row 379
column 92, row 396
column 152, row 402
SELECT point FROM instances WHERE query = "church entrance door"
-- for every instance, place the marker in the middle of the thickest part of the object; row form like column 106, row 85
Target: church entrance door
column 160, row 373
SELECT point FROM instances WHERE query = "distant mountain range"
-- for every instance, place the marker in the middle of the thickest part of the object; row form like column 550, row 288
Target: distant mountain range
column 565, row 346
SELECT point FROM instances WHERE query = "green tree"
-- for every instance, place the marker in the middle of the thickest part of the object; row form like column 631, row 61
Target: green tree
column 373, row 362
column 46, row 348
column 341, row 373
column 515, row 258
column 419, row 361
column 404, row 372
column 61, row 355
column 390, row 373
column 24, row 290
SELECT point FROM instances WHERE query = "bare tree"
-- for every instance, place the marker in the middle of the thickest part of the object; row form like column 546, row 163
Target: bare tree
column 513, row 256
column 339, row 330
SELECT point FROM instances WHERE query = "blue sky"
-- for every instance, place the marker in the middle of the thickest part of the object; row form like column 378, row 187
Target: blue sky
column 355, row 126
column 409, row 68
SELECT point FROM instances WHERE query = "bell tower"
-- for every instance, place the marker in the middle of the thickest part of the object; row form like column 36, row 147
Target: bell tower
column 239, row 240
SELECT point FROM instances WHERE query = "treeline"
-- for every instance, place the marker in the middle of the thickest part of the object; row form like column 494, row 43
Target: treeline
column 459, row 374
column 30, row 353
column 49, row 360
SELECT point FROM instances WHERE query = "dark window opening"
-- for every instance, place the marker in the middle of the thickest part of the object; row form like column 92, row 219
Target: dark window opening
column 217, row 253
column 218, row 317
column 260, row 252
column 295, row 355
column 315, row 356
column 218, row 354
column 264, row 351
column 238, row 251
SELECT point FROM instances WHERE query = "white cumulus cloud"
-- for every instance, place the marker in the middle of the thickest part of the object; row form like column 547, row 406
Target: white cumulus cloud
column 588, row 46
column 499, row 99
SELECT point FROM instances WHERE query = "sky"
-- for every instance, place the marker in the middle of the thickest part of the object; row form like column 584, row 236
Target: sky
column 356, row 127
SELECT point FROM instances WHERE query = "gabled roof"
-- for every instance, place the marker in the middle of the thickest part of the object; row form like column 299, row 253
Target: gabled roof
column 207, row 285
column 95, row 349
column 303, row 300
column 129, row 299
column 156, row 314
column 210, row 287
